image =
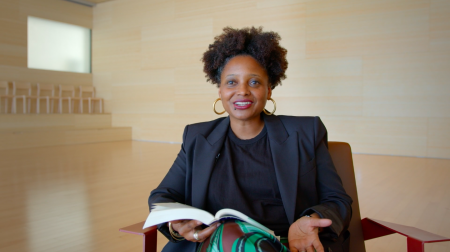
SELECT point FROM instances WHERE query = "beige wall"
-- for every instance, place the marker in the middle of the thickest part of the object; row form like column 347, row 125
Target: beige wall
column 377, row 72
column 13, row 38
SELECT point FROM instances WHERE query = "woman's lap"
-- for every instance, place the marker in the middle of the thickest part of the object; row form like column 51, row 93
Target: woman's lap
column 238, row 236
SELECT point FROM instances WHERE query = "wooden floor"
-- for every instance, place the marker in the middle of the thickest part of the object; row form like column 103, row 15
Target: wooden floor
column 76, row 197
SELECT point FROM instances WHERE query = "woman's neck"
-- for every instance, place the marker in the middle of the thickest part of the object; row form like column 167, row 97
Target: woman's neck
column 246, row 129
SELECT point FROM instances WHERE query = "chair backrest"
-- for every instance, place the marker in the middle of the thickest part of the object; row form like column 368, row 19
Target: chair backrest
column 341, row 154
column 4, row 88
column 89, row 90
column 64, row 89
column 25, row 87
column 49, row 88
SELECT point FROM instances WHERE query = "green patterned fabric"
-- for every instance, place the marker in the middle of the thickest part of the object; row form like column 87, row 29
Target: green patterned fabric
column 238, row 236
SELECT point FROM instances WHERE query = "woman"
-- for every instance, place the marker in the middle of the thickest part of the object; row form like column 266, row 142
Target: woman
column 275, row 169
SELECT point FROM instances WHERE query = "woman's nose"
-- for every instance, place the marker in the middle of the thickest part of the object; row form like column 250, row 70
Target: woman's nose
column 243, row 89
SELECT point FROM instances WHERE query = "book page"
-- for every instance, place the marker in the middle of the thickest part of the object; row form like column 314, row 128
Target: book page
column 233, row 214
column 165, row 212
column 171, row 205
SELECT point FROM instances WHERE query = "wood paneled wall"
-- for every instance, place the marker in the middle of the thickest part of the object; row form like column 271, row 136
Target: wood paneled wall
column 13, row 38
column 377, row 72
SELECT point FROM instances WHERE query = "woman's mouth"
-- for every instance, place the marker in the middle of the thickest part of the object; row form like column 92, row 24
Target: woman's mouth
column 242, row 104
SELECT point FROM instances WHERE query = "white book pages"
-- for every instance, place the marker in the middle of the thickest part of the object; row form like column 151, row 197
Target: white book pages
column 164, row 212
column 231, row 213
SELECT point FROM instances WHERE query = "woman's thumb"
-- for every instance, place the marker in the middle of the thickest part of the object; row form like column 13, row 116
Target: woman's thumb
column 321, row 222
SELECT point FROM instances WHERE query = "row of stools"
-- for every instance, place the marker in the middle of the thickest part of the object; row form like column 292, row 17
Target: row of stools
column 13, row 92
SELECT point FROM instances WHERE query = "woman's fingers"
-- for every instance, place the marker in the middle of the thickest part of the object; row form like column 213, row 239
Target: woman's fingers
column 176, row 221
column 176, row 224
column 318, row 246
column 298, row 245
column 309, row 249
column 202, row 235
column 320, row 222
column 293, row 249
column 186, row 227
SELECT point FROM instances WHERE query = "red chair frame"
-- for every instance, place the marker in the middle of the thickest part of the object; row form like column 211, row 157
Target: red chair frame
column 416, row 238
column 370, row 228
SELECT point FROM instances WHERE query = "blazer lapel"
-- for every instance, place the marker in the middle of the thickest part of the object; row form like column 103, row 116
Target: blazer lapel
column 205, row 155
column 284, row 148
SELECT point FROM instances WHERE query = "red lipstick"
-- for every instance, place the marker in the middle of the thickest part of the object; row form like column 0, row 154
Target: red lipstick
column 242, row 104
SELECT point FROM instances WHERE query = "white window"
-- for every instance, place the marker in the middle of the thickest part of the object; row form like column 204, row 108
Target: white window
column 58, row 46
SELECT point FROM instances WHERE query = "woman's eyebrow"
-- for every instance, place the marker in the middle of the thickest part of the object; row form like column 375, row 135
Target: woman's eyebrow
column 232, row 75
column 256, row 75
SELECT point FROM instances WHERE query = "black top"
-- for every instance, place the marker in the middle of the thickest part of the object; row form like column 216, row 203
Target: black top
column 244, row 179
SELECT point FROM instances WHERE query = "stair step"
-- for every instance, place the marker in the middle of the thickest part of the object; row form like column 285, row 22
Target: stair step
column 8, row 121
column 18, row 138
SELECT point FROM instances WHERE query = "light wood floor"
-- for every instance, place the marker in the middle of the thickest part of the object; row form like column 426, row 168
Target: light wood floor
column 75, row 198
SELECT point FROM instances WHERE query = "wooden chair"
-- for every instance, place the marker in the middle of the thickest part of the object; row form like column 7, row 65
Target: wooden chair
column 67, row 92
column 88, row 93
column 4, row 94
column 25, row 89
column 360, row 230
column 49, row 95
column 366, row 229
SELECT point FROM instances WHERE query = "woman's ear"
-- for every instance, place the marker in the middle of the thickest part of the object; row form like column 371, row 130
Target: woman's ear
column 219, row 93
column 269, row 93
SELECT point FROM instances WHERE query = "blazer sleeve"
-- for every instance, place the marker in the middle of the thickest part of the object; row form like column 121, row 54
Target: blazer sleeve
column 172, row 187
column 335, row 203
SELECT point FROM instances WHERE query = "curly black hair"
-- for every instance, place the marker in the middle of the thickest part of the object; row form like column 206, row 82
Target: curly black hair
column 264, row 47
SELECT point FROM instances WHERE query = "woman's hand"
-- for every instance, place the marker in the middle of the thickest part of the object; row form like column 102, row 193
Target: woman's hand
column 187, row 228
column 304, row 234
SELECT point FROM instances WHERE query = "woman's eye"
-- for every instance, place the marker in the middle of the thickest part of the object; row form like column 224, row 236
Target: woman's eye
column 253, row 82
column 230, row 82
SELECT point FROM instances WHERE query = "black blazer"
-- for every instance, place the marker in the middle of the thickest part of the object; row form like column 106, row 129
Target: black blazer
column 307, row 179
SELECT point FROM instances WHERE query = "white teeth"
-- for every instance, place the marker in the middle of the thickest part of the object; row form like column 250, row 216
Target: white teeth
column 242, row 103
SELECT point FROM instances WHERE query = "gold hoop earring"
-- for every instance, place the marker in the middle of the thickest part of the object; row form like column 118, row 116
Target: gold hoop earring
column 274, row 107
column 214, row 107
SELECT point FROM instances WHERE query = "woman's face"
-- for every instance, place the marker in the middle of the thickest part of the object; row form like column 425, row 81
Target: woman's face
column 244, row 88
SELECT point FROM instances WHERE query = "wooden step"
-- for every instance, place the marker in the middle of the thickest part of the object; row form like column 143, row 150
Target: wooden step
column 9, row 121
column 18, row 138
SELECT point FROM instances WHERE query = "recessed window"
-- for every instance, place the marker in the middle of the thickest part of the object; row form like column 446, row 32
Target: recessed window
column 58, row 46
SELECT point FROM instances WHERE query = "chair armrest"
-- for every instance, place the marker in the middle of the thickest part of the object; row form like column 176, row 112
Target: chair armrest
column 415, row 237
column 149, row 235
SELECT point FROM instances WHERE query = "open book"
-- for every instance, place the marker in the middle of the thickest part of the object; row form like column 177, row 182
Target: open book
column 165, row 212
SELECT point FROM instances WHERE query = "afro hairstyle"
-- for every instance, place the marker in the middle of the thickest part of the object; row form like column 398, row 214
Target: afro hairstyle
column 264, row 47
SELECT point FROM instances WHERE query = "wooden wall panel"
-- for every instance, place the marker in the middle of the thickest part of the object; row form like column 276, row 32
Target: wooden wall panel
column 142, row 99
column 13, row 35
column 405, row 136
column 407, row 84
column 438, row 137
column 13, row 38
column 157, row 127
column 439, row 25
column 103, row 89
column 322, row 87
column 99, row 1
column 192, row 92
column 354, row 27
column 375, row 71
column 14, row 73
column 58, row 10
